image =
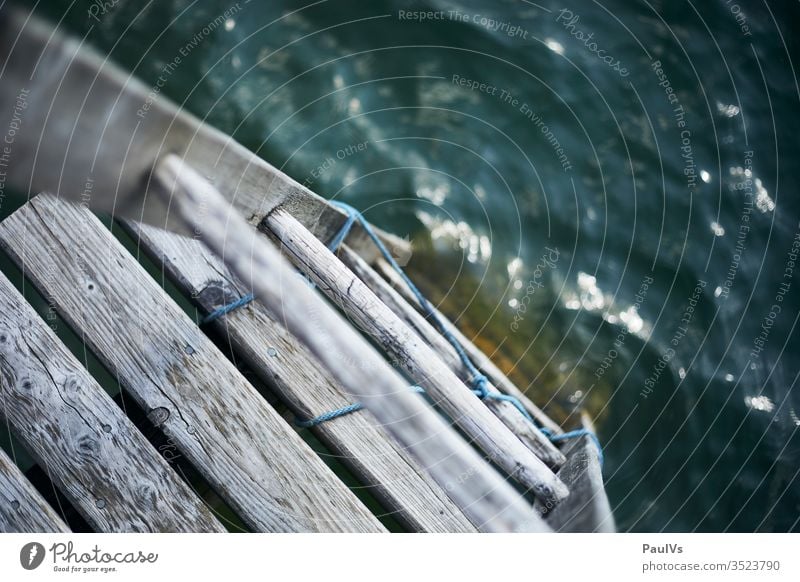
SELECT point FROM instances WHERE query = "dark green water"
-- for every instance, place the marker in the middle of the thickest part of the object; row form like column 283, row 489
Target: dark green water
column 611, row 199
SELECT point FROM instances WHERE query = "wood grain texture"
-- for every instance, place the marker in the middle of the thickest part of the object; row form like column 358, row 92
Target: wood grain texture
column 299, row 379
column 504, row 410
column 587, row 509
column 470, row 482
column 414, row 356
column 481, row 360
column 22, row 508
column 242, row 447
column 95, row 455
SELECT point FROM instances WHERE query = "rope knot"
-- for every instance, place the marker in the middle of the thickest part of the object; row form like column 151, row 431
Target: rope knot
column 480, row 385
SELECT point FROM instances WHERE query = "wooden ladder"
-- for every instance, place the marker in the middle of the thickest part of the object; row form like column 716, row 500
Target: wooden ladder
column 241, row 446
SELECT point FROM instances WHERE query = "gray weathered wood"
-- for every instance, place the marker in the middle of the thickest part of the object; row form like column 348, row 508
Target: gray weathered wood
column 299, row 379
column 470, row 482
column 587, row 509
column 22, row 509
column 243, row 448
column 481, row 360
column 96, row 456
column 504, row 410
column 92, row 133
column 415, row 357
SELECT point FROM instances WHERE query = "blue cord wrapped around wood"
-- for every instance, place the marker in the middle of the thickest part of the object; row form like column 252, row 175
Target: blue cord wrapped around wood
column 225, row 309
column 479, row 383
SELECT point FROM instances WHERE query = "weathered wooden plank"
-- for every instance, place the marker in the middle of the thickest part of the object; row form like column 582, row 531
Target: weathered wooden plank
column 481, row 360
column 92, row 133
column 587, row 509
column 297, row 376
column 95, row 455
column 470, row 482
column 504, row 410
column 415, row 357
column 22, row 509
column 242, row 447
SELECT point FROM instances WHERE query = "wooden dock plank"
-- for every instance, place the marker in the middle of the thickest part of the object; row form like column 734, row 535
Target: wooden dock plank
column 22, row 509
column 96, row 456
column 301, row 381
column 415, row 357
column 504, row 410
column 242, row 447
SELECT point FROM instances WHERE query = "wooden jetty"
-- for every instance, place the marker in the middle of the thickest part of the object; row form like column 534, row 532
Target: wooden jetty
column 326, row 330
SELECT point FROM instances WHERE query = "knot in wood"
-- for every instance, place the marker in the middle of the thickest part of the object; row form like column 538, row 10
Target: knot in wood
column 88, row 446
column 158, row 416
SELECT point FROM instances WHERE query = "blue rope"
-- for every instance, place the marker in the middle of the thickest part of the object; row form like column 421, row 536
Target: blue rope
column 513, row 400
column 220, row 311
column 325, row 417
column 344, row 231
column 343, row 411
column 480, row 384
